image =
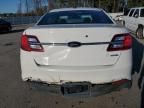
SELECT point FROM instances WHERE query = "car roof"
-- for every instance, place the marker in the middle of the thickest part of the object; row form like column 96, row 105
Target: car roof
column 72, row 9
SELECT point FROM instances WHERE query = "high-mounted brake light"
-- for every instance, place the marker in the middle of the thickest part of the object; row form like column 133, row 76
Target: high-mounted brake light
column 31, row 43
column 120, row 42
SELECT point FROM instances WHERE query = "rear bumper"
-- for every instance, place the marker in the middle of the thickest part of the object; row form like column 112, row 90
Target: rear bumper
column 62, row 74
column 95, row 89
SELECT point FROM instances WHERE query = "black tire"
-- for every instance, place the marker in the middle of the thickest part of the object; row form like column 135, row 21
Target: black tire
column 139, row 32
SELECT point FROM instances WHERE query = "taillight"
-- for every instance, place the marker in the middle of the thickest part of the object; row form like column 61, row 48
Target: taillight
column 120, row 42
column 31, row 43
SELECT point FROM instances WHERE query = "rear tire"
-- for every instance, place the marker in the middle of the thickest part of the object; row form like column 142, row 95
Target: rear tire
column 139, row 32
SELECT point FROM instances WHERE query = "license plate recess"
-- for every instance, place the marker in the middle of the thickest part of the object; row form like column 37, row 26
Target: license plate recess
column 76, row 89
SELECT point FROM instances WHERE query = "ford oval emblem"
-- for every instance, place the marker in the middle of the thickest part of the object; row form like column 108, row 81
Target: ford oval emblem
column 74, row 44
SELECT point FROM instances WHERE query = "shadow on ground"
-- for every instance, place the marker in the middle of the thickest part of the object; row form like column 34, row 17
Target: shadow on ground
column 137, row 55
column 141, row 86
column 138, row 66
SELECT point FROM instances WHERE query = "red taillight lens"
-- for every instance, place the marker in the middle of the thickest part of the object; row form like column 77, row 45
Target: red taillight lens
column 31, row 43
column 120, row 42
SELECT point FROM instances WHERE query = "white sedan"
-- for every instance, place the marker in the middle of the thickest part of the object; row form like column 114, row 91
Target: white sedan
column 81, row 51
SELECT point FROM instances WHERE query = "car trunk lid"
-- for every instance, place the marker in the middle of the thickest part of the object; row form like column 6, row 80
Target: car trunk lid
column 92, row 46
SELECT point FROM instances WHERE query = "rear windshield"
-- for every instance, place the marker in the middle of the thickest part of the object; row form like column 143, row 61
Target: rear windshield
column 75, row 17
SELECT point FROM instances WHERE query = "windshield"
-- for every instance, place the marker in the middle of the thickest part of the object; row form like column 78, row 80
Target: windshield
column 76, row 17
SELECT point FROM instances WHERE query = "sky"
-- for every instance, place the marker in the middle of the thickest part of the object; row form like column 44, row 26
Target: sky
column 8, row 6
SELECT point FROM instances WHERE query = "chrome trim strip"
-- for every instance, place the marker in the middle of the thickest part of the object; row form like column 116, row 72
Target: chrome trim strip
column 66, row 44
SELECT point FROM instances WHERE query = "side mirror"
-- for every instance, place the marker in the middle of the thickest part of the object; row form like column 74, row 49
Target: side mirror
column 136, row 15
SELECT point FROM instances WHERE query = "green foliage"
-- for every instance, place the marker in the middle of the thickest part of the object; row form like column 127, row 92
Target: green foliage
column 135, row 3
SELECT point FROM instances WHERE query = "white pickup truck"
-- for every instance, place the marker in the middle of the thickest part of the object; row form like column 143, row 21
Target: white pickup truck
column 134, row 21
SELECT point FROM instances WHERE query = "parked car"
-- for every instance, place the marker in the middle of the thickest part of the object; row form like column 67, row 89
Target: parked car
column 134, row 21
column 5, row 26
column 80, row 51
column 119, row 18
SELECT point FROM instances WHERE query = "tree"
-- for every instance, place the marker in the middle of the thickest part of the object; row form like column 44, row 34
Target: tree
column 39, row 6
column 27, row 6
column 50, row 4
column 19, row 10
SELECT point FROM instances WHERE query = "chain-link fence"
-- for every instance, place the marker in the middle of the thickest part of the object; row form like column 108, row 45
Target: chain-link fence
column 22, row 20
